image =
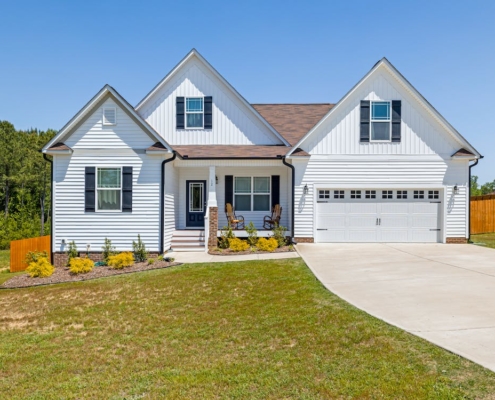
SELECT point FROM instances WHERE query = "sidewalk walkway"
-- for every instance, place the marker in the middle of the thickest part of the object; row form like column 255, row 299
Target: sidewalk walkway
column 202, row 257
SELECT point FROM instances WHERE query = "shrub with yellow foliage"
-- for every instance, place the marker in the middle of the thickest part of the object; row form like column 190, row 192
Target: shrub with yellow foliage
column 40, row 268
column 267, row 244
column 237, row 244
column 80, row 265
column 122, row 260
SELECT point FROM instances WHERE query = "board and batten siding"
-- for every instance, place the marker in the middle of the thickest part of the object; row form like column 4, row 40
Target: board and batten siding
column 97, row 145
column 398, row 172
column 233, row 121
column 421, row 134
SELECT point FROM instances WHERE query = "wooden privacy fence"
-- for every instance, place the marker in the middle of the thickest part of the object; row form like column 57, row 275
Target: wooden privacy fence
column 483, row 214
column 19, row 249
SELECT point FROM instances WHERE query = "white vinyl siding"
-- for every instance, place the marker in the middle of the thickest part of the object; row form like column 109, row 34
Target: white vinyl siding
column 233, row 122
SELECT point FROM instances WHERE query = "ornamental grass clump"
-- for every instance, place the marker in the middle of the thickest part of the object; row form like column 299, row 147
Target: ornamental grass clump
column 269, row 244
column 40, row 268
column 236, row 244
column 81, row 265
column 122, row 260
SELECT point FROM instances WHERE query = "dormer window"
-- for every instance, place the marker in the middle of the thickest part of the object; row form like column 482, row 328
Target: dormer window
column 194, row 112
column 109, row 116
column 380, row 121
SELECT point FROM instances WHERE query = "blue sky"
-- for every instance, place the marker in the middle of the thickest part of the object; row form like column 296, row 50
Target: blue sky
column 55, row 55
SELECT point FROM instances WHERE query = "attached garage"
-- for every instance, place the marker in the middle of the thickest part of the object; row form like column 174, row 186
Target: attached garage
column 378, row 215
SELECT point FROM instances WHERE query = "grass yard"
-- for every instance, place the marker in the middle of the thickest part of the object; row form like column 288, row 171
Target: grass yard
column 488, row 239
column 255, row 329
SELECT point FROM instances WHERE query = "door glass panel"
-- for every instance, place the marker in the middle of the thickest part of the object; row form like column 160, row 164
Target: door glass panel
column 195, row 197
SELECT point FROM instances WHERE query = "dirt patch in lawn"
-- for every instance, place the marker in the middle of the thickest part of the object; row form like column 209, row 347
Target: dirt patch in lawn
column 64, row 275
column 229, row 252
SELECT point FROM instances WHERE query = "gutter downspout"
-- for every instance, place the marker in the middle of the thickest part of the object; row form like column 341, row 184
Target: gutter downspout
column 293, row 198
column 162, row 200
column 51, row 206
column 469, row 199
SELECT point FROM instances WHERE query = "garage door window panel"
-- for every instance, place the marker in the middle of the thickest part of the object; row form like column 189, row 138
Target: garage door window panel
column 387, row 194
column 402, row 194
column 370, row 194
column 355, row 194
column 419, row 194
column 433, row 194
column 324, row 194
column 338, row 194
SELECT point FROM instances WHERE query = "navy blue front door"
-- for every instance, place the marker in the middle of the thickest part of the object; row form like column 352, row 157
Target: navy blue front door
column 196, row 204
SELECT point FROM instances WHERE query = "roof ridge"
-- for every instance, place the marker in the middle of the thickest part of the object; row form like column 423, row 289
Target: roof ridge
column 292, row 104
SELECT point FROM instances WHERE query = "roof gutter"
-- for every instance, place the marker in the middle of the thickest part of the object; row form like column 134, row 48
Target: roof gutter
column 51, row 206
column 162, row 200
column 469, row 199
column 293, row 197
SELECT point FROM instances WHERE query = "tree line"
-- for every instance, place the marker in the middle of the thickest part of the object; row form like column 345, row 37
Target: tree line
column 479, row 190
column 25, row 177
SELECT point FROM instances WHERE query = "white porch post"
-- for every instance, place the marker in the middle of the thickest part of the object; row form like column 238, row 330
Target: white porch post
column 212, row 189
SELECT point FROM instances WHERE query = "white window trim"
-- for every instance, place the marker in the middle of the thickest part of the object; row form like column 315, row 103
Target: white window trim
column 254, row 194
column 194, row 112
column 381, row 120
column 103, row 116
column 96, row 189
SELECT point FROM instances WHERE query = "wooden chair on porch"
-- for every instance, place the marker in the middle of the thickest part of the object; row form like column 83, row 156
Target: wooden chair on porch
column 271, row 221
column 234, row 221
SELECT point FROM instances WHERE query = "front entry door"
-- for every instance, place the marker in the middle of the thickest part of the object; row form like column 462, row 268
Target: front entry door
column 196, row 204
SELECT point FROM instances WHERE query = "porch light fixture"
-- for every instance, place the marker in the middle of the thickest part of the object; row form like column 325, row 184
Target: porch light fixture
column 456, row 189
column 216, row 179
column 306, row 190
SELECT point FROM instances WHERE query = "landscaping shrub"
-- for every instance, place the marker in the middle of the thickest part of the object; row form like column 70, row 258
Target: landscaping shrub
column 40, row 268
column 252, row 234
column 269, row 244
column 71, row 251
column 80, row 265
column 108, row 249
column 34, row 256
column 151, row 261
column 122, row 260
column 236, row 244
column 279, row 235
column 225, row 236
column 139, row 250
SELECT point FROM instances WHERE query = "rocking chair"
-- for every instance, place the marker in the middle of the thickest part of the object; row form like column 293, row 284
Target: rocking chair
column 271, row 221
column 234, row 221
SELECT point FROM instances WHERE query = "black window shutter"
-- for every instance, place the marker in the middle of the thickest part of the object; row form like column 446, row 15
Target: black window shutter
column 127, row 189
column 208, row 110
column 229, row 189
column 180, row 111
column 364, row 135
column 275, row 190
column 396, row 120
column 89, row 189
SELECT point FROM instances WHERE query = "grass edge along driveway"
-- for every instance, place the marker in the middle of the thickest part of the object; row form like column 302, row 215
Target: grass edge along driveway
column 254, row 329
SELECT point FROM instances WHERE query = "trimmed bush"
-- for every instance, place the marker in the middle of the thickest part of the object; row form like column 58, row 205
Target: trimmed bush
column 151, row 261
column 41, row 268
column 236, row 244
column 81, row 265
column 122, row 260
column 267, row 244
column 34, row 256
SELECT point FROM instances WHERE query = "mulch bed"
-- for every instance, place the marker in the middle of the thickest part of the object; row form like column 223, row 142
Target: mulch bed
column 228, row 252
column 63, row 275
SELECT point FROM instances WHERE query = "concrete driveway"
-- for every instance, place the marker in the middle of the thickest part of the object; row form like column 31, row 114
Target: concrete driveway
column 444, row 293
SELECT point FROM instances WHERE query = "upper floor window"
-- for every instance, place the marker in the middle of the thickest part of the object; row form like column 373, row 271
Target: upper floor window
column 194, row 112
column 380, row 121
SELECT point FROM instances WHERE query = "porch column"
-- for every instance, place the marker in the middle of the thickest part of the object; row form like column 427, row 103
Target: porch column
column 213, row 209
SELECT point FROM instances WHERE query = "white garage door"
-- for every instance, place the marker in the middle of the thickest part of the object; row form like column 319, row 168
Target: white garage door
column 372, row 215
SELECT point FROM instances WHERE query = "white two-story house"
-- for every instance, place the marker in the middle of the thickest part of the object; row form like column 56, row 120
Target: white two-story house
column 381, row 165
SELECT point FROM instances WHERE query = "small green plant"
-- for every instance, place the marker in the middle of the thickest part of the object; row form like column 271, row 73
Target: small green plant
column 34, row 256
column 81, row 265
column 291, row 247
column 139, row 250
column 269, row 244
column 160, row 257
column 217, row 250
column 279, row 235
column 226, row 234
column 151, row 261
column 108, row 249
column 252, row 234
column 236, row 244
column 71, row 251
column 40, row 268
column 122, row 260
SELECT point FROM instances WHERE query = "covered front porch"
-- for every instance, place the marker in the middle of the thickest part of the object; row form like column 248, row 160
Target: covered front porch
column 204, row 187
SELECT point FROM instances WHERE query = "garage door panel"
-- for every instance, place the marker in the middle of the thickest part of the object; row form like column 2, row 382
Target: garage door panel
column 378, row 220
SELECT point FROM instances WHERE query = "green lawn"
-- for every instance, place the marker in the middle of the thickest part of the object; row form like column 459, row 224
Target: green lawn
column 488, row 239
column 257, row 330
